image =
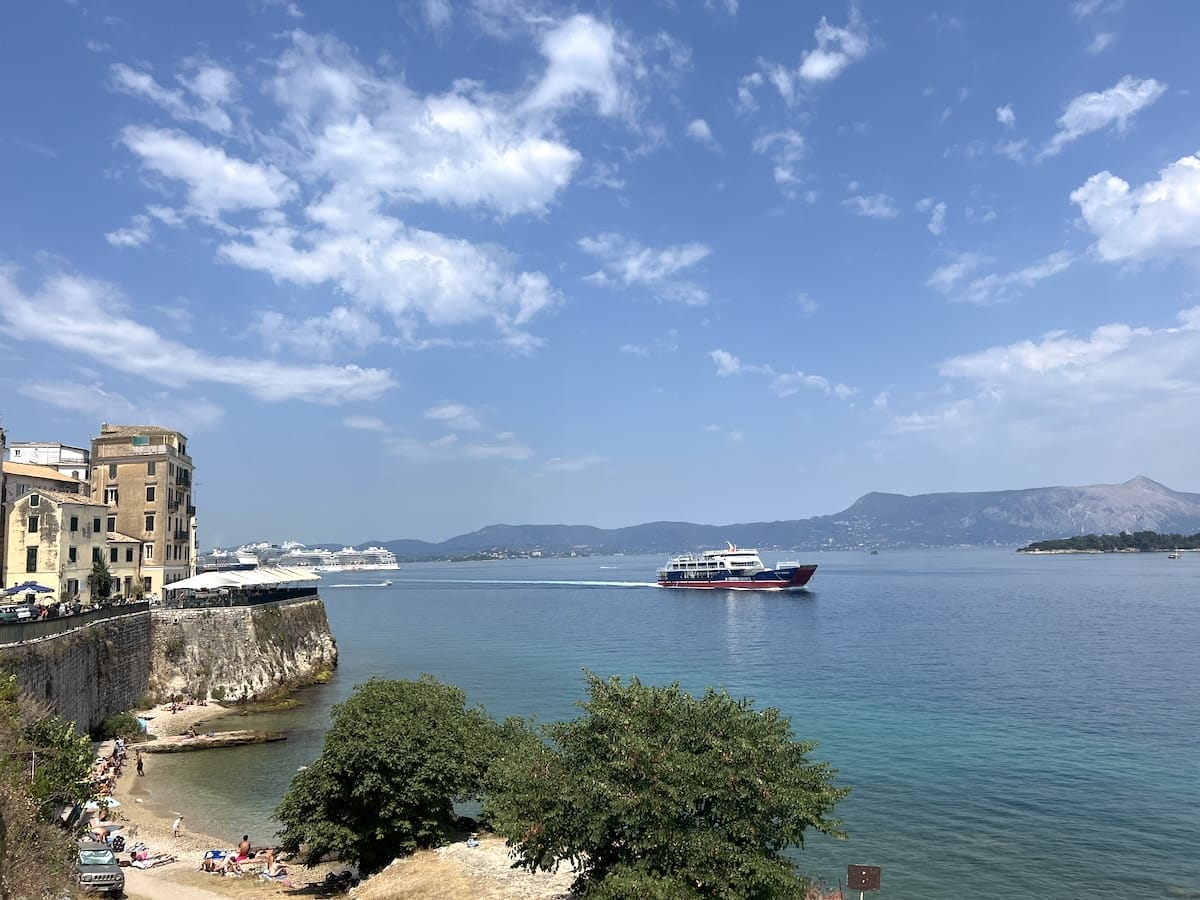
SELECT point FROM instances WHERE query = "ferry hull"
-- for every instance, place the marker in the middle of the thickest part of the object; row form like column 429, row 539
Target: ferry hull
column 785, row 579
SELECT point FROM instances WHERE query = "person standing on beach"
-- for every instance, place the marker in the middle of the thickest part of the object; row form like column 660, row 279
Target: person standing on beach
column 176, row 826
column 140, row 764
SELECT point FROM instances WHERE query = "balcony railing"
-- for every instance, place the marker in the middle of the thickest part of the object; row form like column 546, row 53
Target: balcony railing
column 191, row 510
column 181, row 535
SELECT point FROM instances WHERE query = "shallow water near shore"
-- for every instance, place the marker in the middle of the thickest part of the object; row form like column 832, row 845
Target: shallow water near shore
column 1011, row 725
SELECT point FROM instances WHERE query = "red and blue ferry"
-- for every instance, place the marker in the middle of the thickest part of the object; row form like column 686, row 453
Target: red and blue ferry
column 733, row 569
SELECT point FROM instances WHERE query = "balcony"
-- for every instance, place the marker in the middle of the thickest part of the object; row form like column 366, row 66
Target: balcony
column 181, row 536
column 191, row 510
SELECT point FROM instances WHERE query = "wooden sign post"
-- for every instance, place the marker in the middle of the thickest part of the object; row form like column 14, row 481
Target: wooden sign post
column 863, row 878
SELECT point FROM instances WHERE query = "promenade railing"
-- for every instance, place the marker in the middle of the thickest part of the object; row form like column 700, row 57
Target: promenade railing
column 33, row 629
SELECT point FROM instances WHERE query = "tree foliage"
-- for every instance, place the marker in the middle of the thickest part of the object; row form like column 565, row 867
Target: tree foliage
column 654, row 793
column 397, row 757
column 36, row 856
column 1143, row 541
column 100, row 580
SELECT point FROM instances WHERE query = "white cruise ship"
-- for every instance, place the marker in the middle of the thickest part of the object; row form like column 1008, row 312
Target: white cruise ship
column 370, row 559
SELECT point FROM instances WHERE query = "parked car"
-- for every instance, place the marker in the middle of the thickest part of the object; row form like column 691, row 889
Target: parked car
column 26, row 612
column 99, row 871
column 8, row 614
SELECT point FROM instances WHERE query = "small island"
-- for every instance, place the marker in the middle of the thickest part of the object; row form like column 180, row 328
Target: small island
column 1125, row 542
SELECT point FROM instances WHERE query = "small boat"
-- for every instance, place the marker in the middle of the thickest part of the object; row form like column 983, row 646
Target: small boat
column 1175, row 555
column 732, row 569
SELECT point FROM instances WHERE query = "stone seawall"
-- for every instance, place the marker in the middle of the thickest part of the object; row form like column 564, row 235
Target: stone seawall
column 240, row 652
column 88, row 674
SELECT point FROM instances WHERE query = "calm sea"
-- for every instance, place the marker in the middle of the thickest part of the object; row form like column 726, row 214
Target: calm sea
column 1012, row 726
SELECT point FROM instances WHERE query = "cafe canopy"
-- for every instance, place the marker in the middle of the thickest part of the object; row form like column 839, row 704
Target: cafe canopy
column 270, row 576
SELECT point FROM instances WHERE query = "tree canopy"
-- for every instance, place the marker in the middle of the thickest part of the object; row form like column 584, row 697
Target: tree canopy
column 654, row 793
column 1144, row 541
column 397, row 757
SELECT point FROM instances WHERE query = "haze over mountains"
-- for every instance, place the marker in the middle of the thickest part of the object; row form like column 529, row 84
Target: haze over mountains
column 983, row 518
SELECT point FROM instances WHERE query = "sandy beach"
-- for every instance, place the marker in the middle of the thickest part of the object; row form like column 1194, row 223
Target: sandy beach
column 455, row 871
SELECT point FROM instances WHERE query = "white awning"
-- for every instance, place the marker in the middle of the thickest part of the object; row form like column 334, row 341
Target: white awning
column 264, row 577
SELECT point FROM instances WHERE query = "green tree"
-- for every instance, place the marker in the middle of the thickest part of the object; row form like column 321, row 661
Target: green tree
column 36, row 856
column 100, row 580
column 397, row 757
column 654, row 793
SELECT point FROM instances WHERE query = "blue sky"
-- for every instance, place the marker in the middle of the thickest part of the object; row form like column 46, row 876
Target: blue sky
column 406, row 269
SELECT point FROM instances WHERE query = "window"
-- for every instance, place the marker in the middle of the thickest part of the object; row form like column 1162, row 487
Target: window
column 149, row 521
column 112, row 523
column 112, row 470
column 74, row 473
column 74, row 523
column 112, row 554
column 72, row 586
column 31, row 559
column 72, row 554
column 149, row 493
column 35, row 500
column 97, row 555
column 148, row 551
column 128, row 554
column 110, row 496
column 146, row 585
column 96, row 525
column 140, row 440
column 33, row 524
column 151, row 467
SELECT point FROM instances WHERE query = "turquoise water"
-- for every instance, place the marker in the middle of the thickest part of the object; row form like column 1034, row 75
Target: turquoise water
column 1012, row 726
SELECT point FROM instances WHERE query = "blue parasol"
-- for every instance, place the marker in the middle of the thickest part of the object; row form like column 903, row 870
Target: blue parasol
column 29, row 587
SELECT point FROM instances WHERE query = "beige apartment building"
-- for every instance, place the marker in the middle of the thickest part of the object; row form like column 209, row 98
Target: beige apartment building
column 142, row 474
column 54, row 539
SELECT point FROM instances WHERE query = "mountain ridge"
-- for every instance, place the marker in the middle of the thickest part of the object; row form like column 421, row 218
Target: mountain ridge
column 876, row 519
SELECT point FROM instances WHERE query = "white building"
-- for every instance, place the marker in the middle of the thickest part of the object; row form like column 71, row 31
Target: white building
column 72, row 461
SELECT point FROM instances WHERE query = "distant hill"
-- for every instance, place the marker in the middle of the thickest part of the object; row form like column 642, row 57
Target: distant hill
column 983, row 518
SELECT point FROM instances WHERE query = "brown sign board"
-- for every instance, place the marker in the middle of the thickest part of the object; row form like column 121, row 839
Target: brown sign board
column 863, row 878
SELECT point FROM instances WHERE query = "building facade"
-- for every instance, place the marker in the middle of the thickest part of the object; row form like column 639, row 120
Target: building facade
column 72, row 461
column 3, row 506
column 55, row 539
column 143, row 475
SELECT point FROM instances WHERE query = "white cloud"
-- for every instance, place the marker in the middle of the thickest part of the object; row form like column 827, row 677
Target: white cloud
column 137, row 234
column 1005, row 116
column 583, row 58
column 788, row 383
column 1159, row 220
column 1062, row 389
column 628, row 263
column 875, row 206
column 937, row 214
column 807, row 304
column 450, row 447
column 86, row 318
column 365, row 423
column 557, row 464
column 837, row 48
column 985, row 290
column 211, row 86
column 698, row 130
column 95, row 400
column 1092, row 112
column 323, row 337
column 1082, row 9
column 455, row 416
column 786, row 149
column 1101, row 42
column 216, row 182
column 437, row 13
column 727, row 363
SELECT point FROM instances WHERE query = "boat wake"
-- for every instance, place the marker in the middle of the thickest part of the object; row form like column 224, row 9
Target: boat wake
column 530, row 583
column 360, row 584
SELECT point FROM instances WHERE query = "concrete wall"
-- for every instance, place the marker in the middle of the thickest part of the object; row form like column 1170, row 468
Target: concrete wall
column 240, row 652
column 87, row 674
column 244, row 652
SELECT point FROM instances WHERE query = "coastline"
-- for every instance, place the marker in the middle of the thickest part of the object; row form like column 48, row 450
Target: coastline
column 481, row 872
